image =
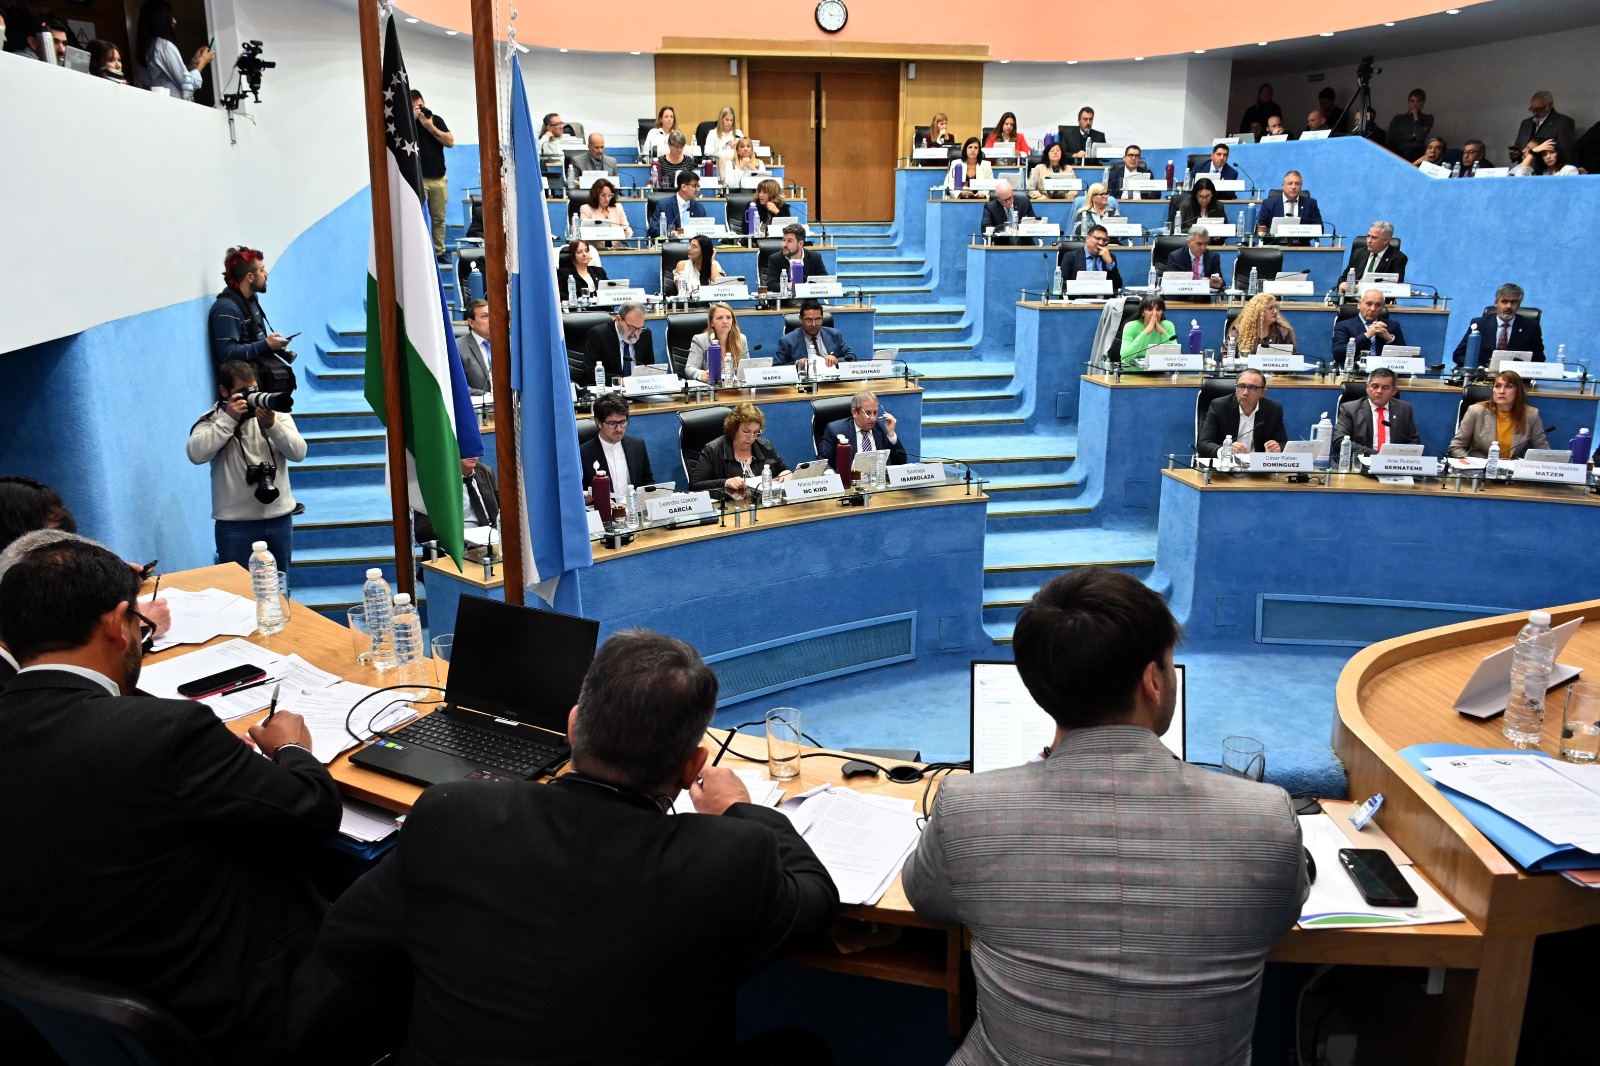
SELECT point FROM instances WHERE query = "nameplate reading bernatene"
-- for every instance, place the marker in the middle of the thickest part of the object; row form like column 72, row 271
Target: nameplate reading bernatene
column 678, row 505
column 916, row 474
column 1416, row 465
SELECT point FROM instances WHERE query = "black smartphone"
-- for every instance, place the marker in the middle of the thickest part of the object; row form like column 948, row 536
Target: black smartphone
column 221, row 681
column 1377, row 877
column 147, row 569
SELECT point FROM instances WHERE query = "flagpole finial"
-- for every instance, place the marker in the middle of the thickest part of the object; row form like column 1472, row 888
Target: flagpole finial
column 386, row 7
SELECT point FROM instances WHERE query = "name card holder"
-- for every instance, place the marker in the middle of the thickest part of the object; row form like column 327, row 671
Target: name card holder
column 604, row 295
column 1276, row 362
column 1228, row 184
column 1181, row 284
column 678, row 505
column 1295, row 229
column 651, row 384
column 1031, row 227
column 929, row 154
column 704, row 227
column 1492, row 172
column 865, row 369
column 763, row 151
column 1063, row 183
column 759, row 377
column 1392, row 290
column 915, row 474
column 810, row 488
column 819, row 287
column 1537, row 371
column 1090, row 283
column 1172, row 362
column 1316, row 135
column 1433, row 170
column 1278, row 462
column 1116, row 227
column 983, row 184
column 1001, row 151
column 724, row 292
column 1413, row 465
column 1401, row 358
column 1274, row 138
column 1145, row 184
column 597, row 526
column 1289, row 287
column 1557, row 473
column 1220, row 229
column 601, row 231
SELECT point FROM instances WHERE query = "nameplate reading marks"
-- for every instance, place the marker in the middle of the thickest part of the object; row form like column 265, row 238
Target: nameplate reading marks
column 1120, row 228
column 1400, row 364
column 1416, row 465
column 1171, row 362
column 1296, row 229
column 678, row 505
column 1528, row 370
column 916, row 474
column 865, row 369
column 651, row 384
column 756, row 377
column 1184, row 285
column 724, row 292
column 1289, row 287
column 1272, row 462
column 596, row 525
column 1560, row 473
column 811, row 487
column 1275, row 362
column 818, row 288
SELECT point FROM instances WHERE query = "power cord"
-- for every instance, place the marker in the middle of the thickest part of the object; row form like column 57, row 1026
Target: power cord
column 374, row 716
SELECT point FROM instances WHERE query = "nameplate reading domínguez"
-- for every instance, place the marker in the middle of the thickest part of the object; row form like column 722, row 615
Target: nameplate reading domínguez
column 1274, row 462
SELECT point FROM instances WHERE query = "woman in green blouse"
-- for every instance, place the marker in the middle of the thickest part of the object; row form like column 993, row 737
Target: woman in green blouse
column 1151, row 327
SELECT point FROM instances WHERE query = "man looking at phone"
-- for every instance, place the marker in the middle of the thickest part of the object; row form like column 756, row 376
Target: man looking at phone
column 813, row 340
column 238, row 327
column 865, row 431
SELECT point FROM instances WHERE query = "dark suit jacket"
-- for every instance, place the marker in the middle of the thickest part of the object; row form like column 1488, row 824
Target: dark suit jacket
column 1222, row 420
column 1355, row 422
column 1114, row 178
column 1074, row 140
column 596, row 274
column 1392, row 261
column 1183, row 260
column 7, row 671
column 486, row 492
column 717, row 464
column 1408, row 137
column 847, row 426
column 777, row 262
column 1072, row 263
column 146, row 846
column 518, row 916
column 668, row 217
column 603, row 345
column 1229, row 173
column 1310, row 214
column 1557, row 125
column 633, row 450
column 995, row 215
column 1526, row 336
column 1355, row 328
column 794, row 344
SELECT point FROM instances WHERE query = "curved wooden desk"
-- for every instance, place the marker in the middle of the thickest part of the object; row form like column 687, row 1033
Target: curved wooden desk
column 1398, row 693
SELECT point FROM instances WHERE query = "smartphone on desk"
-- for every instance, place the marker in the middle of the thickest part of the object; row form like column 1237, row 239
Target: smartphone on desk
column 221, row 681
column 1377, row 877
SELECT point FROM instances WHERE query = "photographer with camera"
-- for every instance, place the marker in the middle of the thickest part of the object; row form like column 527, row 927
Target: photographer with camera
column 239, row 327
column 249, row 438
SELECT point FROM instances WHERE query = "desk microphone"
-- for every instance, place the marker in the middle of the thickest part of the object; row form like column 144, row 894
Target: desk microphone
column 1249, row 178
column 1431, row 289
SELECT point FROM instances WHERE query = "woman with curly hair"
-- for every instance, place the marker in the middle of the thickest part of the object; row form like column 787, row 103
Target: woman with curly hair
column 1259, row 323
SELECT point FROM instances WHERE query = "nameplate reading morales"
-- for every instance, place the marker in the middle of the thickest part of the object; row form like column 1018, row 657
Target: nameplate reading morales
column 865, row 369
column 1561, row 473
column 1273, row 462
column 678, row 505
column 916, row 474
column 1275, row 362
column 651, row 384
column 1416, row 465
column 756, row 377
column 811, row 487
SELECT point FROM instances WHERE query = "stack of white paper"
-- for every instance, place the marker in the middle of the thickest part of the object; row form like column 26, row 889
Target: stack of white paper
column 764, row 791
column 862, row 839
column 367, row 823
column 162, row 679
column 1559, row 802
column 293, row 676
column 199, row 616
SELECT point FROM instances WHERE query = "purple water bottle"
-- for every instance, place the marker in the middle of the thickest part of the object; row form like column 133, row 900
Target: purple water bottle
column 750, row 219
column 1194, row 336
column 714, row 363
column 1580, row 447
column 797, row 272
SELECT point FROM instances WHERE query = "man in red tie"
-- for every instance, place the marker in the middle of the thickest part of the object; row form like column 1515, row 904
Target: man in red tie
column 1377, row 420
column 1505, row 330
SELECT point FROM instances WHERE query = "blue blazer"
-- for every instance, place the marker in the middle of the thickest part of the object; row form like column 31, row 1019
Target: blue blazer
column 1273, row 208
column 793, row 344
column 1228, row 174
column 668, row 217
column 1184, row 261
column 1526, row 336
column 828, row 445
column 1355, row 328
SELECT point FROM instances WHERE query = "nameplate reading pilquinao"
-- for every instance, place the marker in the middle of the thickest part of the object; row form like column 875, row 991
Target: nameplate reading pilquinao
column 865, row 369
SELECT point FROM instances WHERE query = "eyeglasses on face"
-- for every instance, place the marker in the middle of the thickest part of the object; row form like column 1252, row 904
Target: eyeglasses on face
column 1250, row 388
column 147, row 630
column 615, row 423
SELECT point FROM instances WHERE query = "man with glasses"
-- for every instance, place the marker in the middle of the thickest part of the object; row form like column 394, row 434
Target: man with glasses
column 813, row 340
column 146, row 845
column 625, row 459
column 1379, row 419
column 1254, row 422
column 865, row 431
column 619, row 345
column 1132, row 164
column 1095, row 255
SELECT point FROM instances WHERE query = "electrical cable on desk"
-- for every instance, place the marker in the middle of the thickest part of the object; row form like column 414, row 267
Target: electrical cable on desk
column 390, row 688
column 722, row 748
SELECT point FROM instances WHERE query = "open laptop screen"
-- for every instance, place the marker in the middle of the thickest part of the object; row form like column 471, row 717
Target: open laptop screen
column 518, row 662
column 1008, row 728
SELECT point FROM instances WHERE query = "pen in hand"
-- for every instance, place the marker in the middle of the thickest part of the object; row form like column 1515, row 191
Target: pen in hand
column 273, row 708
column 157, row 590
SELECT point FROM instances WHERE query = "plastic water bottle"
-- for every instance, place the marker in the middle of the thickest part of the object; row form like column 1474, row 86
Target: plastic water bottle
column 1255, row 283
column 1580, row 447
column 1531, row 661
column 785, row 284
column 714, row 363
column 728, row 376
column 1350, row 357
column 1239, row 229
column 1055, row 283
column 264, row 583
column 767, row 495
column 1561, row 354
column 1491, row 465
column 380, row 618
column 1350, row 283
column 655, row 172
column 635, row 519
column 1194, row 336
column 572, row 288
column 1322, row 434
column 1474, row 348
column 1224, row 460
column 1455, row 170
column 1346, row 456
column 599, row 375
column 1154, row 277
column 408, row 654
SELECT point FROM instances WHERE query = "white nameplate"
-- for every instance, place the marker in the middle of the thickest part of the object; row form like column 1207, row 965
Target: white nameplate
column 1146, row 184
column 725, row 291
column 1090, row 286
column 696, row 225
column 756, row 377
column 619, row 296
column 589, row 177
column 763, row 151
column 1392, row 290
column 1228, row 184
column 600, row 230
column 651, row 384
column 1400, row 364
column 1063, row 183
column 1416, row 465
column 1529, row 370
column 1038, row 227
column 597, row 527
column 1289, row 287
column 1316, row 135
column 865, row 369
column 1295, row 229
column 1184, row 285
column 938, row 152
column 1433, row 170
column 1492, row 172
column 1122, row 228
column 1220, row 229
column 916, row 474
column 1561, row 473
column 678, row 505
column 1273, row 461
column 1171, row 361
column 1001, row 151
column 983, row 184
column 809, row 487
column 819, row 287
column 1274, row 138
column 710, row 183
column 1275, row 362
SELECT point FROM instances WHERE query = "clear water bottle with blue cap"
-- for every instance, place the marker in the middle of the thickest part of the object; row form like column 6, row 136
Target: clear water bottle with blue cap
column 264, row 584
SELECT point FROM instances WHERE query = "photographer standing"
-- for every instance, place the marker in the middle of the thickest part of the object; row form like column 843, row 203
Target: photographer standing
column 249, row 438
column 239, row 328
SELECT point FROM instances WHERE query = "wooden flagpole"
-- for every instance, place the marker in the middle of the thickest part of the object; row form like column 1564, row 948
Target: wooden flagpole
column 388, row 305
column 496, row 289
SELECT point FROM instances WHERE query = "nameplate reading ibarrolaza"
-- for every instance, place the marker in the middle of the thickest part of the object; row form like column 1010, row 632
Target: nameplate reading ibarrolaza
column 808, row 488
column 678, row 505
column 1560, row 473
column 757, row 377
column 865, row 369
column 1172, row 362
column 1415, row 465
column 1273, row 462
column 651, row 384
column 916, row 474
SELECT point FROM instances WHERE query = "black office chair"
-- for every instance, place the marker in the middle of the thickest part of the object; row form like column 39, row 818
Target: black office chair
column 696, row 429
column 1358, row 245
column 576, row 198
column 1066, row 252
column 588, row 430
column 645, row 126
column 701, row 130
column 572, row 129
column 1346, row 310
column 823, row 412
column 1267, row 261
column 1352, row 390
column 681, row 330
column 1130, row 313
column 652, row 202
column 1198, row 159
column 575, row 329
column 983, row 137
column 672, row 254
column 1209, row 391
column 1470, row 395
column 87, row 1021
column 1229, row 319
column 791, row 321
column 1532, row 313
column 1165, row 245
column 917, row 133
column 738, row 204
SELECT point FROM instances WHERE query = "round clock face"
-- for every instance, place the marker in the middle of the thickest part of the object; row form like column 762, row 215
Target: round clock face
column 831, row 15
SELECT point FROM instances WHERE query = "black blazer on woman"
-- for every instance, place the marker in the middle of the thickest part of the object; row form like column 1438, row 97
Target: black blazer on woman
column 717, row 464
column 596, row 275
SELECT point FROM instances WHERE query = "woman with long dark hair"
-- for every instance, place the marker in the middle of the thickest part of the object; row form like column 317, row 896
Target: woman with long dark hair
column 156, row 50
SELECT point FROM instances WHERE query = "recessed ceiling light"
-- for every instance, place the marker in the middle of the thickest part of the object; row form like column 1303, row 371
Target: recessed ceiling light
column 1325, row 34
column 412, row 21
column 1453, row 11
column 1388, row 24
column 563, row 50
column 1138, row 59
column 635, row 53
column 1072, row 62
column 1003, row 62
column 1261, row 44
column 449, row 33
column 1199, row 51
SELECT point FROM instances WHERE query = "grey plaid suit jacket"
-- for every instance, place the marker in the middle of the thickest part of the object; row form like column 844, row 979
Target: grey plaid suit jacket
column 1121, row 902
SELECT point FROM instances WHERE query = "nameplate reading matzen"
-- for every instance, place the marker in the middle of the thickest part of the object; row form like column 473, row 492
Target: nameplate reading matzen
column 808, row 488
column 818, row 288
column 756, row 377
column 1172, row 362
column 1116, row 227
column 651, row 384
column 1529, row 370
column 916, row 474
column 1296, row 229
column 678, row 505
column 1416, row 465
column 1561, row 473
column 1269, row 462
column 1289, row 287
column 865, row 369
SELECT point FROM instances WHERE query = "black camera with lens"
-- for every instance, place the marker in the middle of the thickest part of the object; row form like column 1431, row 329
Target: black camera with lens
column 259, row 399
column 260, row 475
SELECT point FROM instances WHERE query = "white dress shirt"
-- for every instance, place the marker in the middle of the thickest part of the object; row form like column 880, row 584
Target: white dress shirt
column 1247, row 427
column 617, row 463
column 82, row 671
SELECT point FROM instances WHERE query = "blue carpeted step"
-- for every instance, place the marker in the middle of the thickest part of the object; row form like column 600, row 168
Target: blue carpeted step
column 1045, row 487
column 334, row 380
column 954, row 427
column 1011, row 517
column 320, row 567
column 970, row 404
column 933, row 314
column 1058, row 551
column 960, row 373
column 366, row 442
column 343, row 357
column 338, row 470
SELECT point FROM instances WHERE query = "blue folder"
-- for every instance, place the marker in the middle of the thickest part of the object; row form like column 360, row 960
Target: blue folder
column 1522, row 845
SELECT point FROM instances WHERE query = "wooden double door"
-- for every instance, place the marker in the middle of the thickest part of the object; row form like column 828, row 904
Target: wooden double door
column 837, row 125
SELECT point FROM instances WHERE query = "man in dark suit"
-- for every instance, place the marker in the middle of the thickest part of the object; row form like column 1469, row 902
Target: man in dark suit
column 482, row 500
column 1379, row 419
column 794, row 250
column 1545, row 123
column 1254, row 422
column 1289, row 204
column 1196, row 253
column 594, row 159
column 1079, row 140
column 625, row 459
column 1132, row 164
column 813, row 340
column 145, row 844
column 864, row 431
column 1474, row 157
column 1096, row 255
column 1004, row 210
column 1370, row 329
column 607, row 889
column 671, row 212
column 474, row 346
column 620, row 345
column 1217, row 169
column 1504, row 330
column 1380, row 256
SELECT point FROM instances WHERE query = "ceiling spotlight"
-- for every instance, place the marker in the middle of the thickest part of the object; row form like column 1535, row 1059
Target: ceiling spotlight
column 1328, row 34
column 1453, row 11
column 635, row 53
column 412, row 21
column 563, row 51
column 449, row 33
column 1072, row 62
column 1138, row 59
column 1388, row 24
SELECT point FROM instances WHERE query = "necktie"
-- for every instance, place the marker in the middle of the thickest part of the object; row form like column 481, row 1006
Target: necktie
column 1505, row 336
column 1197, row 263
column 1372, row 263
column 1293, row 209
column 627, row 359
column 479, row 509
column 1380, row 431
column 866, row 440
column 816, row 345
column 1089, row 262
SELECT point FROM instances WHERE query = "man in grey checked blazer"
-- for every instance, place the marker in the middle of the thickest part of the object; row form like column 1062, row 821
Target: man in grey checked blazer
column 1121, row 902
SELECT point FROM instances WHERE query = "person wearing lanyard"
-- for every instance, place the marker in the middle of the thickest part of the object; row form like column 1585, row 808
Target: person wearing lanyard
column 813, row 340
column 864, row 431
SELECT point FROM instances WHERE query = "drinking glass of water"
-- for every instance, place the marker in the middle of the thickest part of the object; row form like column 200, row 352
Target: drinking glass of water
column 1580, row 724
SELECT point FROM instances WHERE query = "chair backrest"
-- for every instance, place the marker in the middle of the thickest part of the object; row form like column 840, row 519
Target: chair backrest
column 1165, row 245
column 1470, row 395
column 1359, row 244
column 696, row 429
column 765, row 247
column 645, row 126
column 737, row 203
column 1070, row 251
column 984, row 136
column 572, row 129
column 1198, row 159
column 791, row 321
column 90, row 1021
column 1352, row 390
column 652, row 201
column 1130, row 312
column 575, row 329
column 1267, row 261
column 672, row 253
column 1523, row 312
column 1303, row 192
column 682, row 327
column 588, row 430
column 701, row 130
column 1347, row 310
column 1210, row 389
column 917, row 133
column 824, row 411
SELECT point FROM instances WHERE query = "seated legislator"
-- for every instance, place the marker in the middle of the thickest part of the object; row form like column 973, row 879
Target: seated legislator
column 515, row 918
column 1201, row 204
column 1474, row 156
column 732, row 463
column 145, row 844
column 721, row 138
column 1121, row 902
column 1260, row 323
column 865, row 431
column 602, row 206
column 699, row 267
column 675, row 163
column 1097, row 208
column 625, row 459
column 1197, row 259
column 1132, row 165
column 723, row 327
column 1382, row 418
column 938, row 135
column 595, row 159
column 1318, row 120
column 655, row 142
column 1371, row 329
column 1380, row 256
column 1254, row 422
column 1096, row 255
column 475, row 351
column 1080, row 139
column 577, row 270
column 770, row 206
column 970, row 165
column 1433, row 152
column 671, row 212
column 618, row 345
column 741, row 161
column 1543, row 158
column 1216, row 168
column 1506, row 417
column 1504, row 330
column 1005, row 132
column 1151, row 327
column 1004, row 210
column 1544, row 123
column 813, row 340
column 480, row 499
column 1054, row 165
column 1276, row 128
column 1289, row 204
column 793, row 251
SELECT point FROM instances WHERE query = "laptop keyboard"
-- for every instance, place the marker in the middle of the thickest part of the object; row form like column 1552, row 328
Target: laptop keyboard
column 520, row 755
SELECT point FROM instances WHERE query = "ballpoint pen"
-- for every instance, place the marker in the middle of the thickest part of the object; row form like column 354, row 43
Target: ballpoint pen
column 273, row 709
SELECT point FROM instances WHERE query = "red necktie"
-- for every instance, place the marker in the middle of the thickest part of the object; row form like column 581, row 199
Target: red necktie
column 1196, row 259
column 1380, row 430
column 1505, row 336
